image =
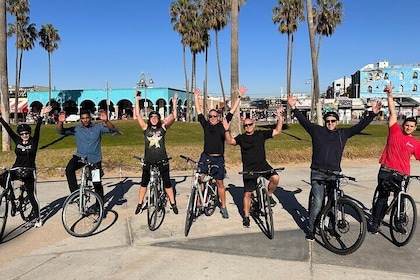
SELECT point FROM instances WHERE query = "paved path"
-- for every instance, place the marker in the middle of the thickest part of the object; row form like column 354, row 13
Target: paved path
column 124, row 248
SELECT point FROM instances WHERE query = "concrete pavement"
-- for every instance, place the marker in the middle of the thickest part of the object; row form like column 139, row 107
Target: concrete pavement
column 124, row 247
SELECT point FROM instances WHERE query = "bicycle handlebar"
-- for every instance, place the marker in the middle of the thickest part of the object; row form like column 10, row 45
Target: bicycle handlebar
column 187, row 159
column 143, row 161
column 261, row 172
column 17, row 168
column 338, row 176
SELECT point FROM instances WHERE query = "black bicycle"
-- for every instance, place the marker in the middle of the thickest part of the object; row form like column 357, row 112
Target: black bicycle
column 83, row 209
column 341, row 222
column 15, row 192
column 403, row 218
column 260, row 202
column 156, row 195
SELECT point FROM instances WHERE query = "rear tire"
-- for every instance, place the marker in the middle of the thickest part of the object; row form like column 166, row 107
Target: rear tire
column 82, row 216
column 4, row 211
column 267, row 213
column 408, row 221
column 152, row 207
column 343, row 234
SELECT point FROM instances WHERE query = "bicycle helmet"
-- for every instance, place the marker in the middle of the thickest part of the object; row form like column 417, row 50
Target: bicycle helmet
column 154, row 113
column 331, row 114
column 24, row 127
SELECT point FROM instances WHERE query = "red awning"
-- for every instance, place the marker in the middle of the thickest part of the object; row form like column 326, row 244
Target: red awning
column 22, row 105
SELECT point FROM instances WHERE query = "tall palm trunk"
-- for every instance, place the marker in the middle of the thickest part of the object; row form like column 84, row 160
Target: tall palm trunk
column 205, row 96
column 17, row 85
column 220, row 68
column 234, row 64
column 3, row 74
column 288, row 77
column 49, row 78
column 314, row 59
column 187, row 91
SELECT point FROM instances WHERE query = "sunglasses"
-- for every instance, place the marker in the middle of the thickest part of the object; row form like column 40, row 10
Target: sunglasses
column 24, row 133
column 330, row 121
column 212, row 116
column 248, row 124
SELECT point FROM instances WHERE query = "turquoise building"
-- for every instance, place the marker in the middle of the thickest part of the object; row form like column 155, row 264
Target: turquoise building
column 121, row 101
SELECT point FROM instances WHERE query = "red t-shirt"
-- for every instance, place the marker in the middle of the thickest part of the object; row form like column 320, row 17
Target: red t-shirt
column 398, row 150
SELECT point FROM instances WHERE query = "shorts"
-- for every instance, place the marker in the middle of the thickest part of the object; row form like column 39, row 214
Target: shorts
column 164, row 173
column 214, row 166
column 250, row 184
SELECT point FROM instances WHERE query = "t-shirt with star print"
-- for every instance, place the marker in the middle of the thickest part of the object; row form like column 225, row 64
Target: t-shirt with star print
column 154, row 148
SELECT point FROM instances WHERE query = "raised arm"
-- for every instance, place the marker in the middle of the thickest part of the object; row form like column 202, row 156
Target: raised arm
column 139, row 118
column 228, row 137
column 241, row 92
column 391, row 106
column 104, row 117
column 61, row 120
column 279, row 126
column 170, row 119
column 197, row 92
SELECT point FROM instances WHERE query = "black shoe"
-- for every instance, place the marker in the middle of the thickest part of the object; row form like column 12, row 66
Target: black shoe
column 400, row 228
column 310, row 236
column 374, row 229
column 245, row 222
column 174, row 208
column 139, row 208
column 272, row 201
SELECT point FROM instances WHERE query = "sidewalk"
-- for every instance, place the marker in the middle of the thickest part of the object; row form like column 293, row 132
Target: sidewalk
column 216, row 248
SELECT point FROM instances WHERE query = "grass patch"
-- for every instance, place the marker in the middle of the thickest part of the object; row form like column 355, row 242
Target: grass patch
column 292, row 146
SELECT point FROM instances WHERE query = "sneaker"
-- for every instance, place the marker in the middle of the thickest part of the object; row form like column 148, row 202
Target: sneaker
column 224, row 213
column 174, row 208
column 400, row 228
column 374, row 229
column 272, row 201
column 310, row 236
column 245, row 222
column 38, row 223
column 139, row 208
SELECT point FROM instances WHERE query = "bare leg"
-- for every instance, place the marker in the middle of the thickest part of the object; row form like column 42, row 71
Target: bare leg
column 221, row 191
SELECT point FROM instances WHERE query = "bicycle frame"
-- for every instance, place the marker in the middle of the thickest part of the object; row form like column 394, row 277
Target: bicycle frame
column 400, row 190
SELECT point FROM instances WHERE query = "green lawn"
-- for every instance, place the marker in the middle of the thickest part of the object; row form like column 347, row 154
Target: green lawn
column 292, row 146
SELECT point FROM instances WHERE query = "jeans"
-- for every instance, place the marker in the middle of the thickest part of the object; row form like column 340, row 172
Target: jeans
column 319, row 180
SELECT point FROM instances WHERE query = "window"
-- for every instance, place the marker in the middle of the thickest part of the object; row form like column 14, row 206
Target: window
column 415, row 75
column 414, row 88
column 370, row 89
column 386, row 76
column 401, row 76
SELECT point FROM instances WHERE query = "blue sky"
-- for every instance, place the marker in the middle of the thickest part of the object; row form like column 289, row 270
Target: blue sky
column 114, row 41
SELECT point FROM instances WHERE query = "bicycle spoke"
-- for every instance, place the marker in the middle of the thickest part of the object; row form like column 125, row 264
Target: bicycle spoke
column 403, row 226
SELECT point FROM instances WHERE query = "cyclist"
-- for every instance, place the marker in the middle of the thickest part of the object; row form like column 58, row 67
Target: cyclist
column 252, row 144
column 328, row 143
column 26, row 147
column 395, row 159
column 88, row 143
column 214, row 145
column 155, row 150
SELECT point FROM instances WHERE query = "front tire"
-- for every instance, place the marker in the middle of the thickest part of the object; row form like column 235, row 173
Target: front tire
column 25, row 205
column 189, row 218
column 4, row 211
column 267, row 213
column 407, row 221
column 344, row 233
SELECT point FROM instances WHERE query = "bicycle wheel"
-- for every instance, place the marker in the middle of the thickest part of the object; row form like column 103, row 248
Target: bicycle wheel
column 4, row 211
column 402, row 229
column 189, row 218
column 211, row 201
column 160, row 208
column 25, row 205
column 342, row 232
column 152, row 208
column 267, row 213
column 81, row 216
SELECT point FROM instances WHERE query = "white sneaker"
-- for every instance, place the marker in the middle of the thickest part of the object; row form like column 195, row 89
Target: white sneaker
column 38, row 223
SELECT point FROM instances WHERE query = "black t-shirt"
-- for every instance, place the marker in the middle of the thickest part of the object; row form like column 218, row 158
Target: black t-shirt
column 214, row 135
column 253, row 150
column 154, row 144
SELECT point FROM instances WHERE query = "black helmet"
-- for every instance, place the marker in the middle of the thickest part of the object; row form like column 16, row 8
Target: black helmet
column 331, row 114
column 24, row 127
column 154, row 113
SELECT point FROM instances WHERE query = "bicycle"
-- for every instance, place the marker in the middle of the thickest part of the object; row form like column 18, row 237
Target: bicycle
column 403, row 217
column 341, row 222
column 83, row 209
column 260, row 201
column 15, row 192
column 156, row 195
column 203, row 196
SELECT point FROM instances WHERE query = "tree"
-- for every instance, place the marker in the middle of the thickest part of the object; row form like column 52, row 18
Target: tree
column 49, row 39
column 288, row 14
column 314, row 60
column 328, row 14
column 19, row 10
column 3, row 74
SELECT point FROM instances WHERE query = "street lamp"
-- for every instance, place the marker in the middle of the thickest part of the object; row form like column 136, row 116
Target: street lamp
column 107, row 90
column 144, row 84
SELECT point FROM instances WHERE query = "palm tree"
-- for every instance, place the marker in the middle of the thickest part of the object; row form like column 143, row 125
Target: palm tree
column 217, row 14
column 328, row 14
column 19, row 10
column 3, row 74
column 49, row 41
column 314, row 60
column 288, row 14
